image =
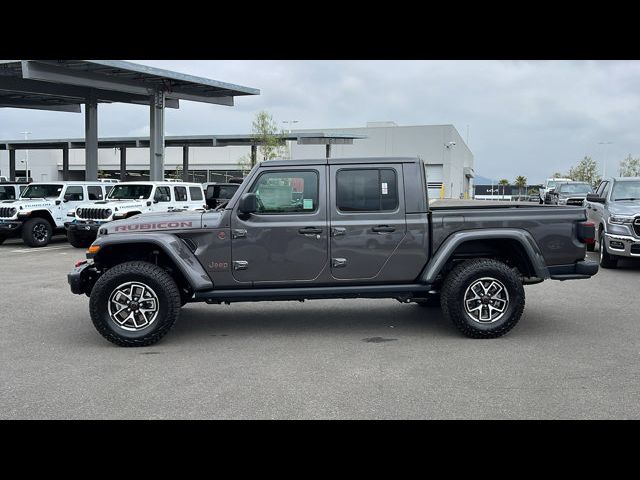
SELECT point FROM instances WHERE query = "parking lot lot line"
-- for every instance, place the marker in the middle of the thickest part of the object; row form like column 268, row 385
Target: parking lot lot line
column 46, row 249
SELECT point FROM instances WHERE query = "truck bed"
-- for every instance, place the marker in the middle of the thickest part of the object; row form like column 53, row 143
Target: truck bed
column 552, row 227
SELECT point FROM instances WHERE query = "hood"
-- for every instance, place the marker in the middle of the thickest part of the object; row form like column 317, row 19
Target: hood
column 626, row 207
column 113, row 204
column 156, row 221
column 572, row 195
column 27, row 203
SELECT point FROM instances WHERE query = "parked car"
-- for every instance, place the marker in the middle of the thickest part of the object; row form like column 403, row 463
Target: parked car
column 219, row 193
column 42, row 208
column 569, row 193
column 331, row 228
column 549, row 185
column 11, row 190
column 615, row 210
column 128, row 199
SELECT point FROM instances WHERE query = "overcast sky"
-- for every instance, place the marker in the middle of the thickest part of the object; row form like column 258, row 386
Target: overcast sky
column 527, row 118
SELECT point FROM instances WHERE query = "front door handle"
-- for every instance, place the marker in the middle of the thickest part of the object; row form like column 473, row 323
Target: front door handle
column 310, row 230
column 383, row 229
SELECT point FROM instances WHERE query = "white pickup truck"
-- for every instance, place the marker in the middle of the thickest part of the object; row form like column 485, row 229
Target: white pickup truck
column 42, row 209
column 128, row 199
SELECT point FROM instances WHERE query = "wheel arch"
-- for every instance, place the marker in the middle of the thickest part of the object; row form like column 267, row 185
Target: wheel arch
column 168, row 251
column 44, row 214
column 513, row 245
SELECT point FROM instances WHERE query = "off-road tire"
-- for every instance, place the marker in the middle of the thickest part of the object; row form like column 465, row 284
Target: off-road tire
column 432, row 301
column 591, row 247
column 606, row 260
column 28, row 234
column 151, row 275
column 462, row 277
column 77, row 240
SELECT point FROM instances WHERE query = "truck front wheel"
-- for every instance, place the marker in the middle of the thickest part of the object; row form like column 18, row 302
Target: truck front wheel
column 37, row 232
column 134, row 304
column 483, row 298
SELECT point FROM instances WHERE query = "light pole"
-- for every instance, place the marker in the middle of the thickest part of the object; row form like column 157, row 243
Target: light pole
column 290, row 122
column 604, row 158
column 26, row 160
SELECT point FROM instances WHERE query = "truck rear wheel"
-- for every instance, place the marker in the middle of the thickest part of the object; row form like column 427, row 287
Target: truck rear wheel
column 78, row 241
column 2, row 239
column 483, row 298
column 134, row 304
column 37, row 232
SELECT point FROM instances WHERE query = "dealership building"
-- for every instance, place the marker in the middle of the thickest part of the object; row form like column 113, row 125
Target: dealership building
column 449, row 163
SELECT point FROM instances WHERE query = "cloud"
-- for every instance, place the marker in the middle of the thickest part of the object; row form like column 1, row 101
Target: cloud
column 525, row 117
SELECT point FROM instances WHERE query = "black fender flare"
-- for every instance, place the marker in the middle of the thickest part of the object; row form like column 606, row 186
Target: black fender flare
column 449, row 245
column 171, row 245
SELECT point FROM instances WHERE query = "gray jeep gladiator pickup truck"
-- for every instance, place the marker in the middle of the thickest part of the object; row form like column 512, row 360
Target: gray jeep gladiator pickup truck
column 331, row 228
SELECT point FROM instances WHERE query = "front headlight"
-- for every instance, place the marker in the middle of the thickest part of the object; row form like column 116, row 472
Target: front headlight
column 12, row 212
column 620, row 219
column 109, row 212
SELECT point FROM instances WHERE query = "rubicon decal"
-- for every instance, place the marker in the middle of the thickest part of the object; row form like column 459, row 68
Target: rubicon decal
column 152, row 226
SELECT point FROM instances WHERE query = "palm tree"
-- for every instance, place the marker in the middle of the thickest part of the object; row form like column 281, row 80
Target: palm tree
column 520, row 182
column 504, row 182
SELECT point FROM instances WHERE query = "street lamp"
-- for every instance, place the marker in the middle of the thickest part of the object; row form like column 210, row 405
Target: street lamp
column 604, row 158
column 290, row 122
column 26, row 160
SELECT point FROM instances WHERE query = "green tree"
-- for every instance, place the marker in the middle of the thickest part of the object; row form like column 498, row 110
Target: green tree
column 556, row 175
column 630, row 167
column 504, row 182
column 270, row 141
column 520, row 182
column 585, row 171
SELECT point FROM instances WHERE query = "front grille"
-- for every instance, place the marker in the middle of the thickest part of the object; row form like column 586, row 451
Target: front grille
column 92, row 213
column 636, row 226
column 6, row 211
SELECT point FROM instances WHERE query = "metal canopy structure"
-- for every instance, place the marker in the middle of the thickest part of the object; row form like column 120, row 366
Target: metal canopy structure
column 63, row 85
column 123, row 143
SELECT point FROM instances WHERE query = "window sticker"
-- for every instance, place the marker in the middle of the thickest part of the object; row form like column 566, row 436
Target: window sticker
column 307, row 204
column 385, row 188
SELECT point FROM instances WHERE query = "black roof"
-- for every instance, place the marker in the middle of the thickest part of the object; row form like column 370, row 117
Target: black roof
column 338, row 161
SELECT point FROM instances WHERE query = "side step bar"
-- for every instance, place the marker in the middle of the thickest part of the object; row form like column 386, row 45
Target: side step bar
column 308, row 293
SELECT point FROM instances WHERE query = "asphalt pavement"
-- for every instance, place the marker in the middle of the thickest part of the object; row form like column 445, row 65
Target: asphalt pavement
column 574, row 355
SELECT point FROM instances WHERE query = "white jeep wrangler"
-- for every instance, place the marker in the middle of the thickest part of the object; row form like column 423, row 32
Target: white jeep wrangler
column 128, row 199
column 42, row 209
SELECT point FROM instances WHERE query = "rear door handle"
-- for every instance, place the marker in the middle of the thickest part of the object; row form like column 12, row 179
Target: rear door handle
column 310, row 230
column 383, row 229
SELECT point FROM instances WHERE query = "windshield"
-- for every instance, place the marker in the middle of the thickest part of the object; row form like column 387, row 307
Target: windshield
column 626, row 191
column 551, row 184
column 42, row 191
column 130, row 192
column 575, row 188
column 7, row 193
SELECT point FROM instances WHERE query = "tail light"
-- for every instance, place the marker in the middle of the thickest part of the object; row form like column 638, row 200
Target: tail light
column 587, row 232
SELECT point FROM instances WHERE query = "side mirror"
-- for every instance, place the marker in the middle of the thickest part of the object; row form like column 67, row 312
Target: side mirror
column 66, row 198
column 149, row 203
column 593, row 197
column 58, row 202
column 248, row 203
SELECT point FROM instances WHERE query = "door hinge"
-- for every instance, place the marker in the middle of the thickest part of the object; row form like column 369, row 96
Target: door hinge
column 338, row 262
column 238, row 233
column 240, row 264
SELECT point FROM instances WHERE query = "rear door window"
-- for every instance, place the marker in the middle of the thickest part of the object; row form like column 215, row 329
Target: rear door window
column 180, row 193
column 163, row 194
column 367, row 190
column 95, row 193
column 196, row 193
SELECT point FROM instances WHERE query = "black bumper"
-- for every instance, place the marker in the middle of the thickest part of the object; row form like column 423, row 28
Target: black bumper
column 83, row 229
column 10, row 228
column 575, row 271
column 82, row 278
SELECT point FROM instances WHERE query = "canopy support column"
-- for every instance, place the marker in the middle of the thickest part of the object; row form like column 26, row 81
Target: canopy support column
column 12, row 165
column 123, row 164
column 91, row 137
column 156, row 140
column 185, row 163
column 65, row 163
